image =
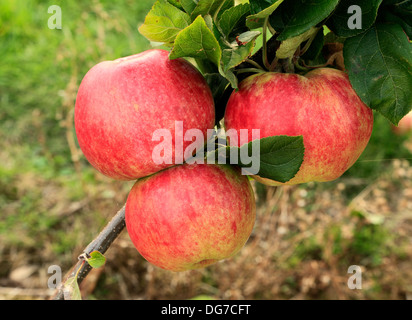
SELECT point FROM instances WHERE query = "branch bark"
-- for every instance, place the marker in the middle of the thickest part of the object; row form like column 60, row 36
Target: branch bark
column 101, row 243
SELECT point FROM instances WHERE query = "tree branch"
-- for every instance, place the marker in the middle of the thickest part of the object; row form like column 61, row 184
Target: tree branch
column 101, row 243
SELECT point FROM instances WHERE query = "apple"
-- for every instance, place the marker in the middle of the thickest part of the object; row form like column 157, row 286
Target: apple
column 404, row 126
column 321, row 106
column 190, row 216
column 121, row 103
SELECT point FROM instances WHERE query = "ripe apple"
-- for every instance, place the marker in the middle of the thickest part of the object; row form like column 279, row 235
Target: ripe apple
column 121, row 103
column 404, row 126
column 190, row 216
column 321, row 106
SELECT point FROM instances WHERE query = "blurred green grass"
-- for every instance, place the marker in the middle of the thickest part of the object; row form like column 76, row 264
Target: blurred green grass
column 40, row 71
column 38, row 63
column 42, row 179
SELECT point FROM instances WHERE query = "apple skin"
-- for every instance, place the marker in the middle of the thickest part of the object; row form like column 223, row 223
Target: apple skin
column 404, row 126
column 190, row 216
column 121, row 103
column 321, row 106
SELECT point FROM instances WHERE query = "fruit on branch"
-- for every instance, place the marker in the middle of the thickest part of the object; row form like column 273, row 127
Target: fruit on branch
column 321, row 106
column 121, row 103
column 404, row 126
column 190, row 216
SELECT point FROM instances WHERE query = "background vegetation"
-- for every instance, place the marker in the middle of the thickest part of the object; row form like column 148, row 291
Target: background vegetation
column 52, row 203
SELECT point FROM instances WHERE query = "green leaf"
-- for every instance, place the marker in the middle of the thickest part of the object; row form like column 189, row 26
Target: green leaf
column 230, row 76
column 197, row 41
column 71, row 290
column 188, row 5
column 338, row 22
column 231, row 58
column 227, row 4
column 400, row 15
column 288, row 47
column 96, row 259
column 233, row 18
column 406, row 4
column 209, row 22
column 379, row 64
column 176, row 3
column 294, row 17
column 246, row 37
column 164, row 22
column 257, row 6
column 235, row 53
column 210, row 7
column 256, row 20
column 280, row 157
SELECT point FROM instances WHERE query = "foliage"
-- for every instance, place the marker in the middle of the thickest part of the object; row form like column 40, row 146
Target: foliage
column 221, row 35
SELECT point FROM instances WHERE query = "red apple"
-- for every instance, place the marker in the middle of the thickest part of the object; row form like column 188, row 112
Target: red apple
column 404, row 126
column 321, row 106
column 121, row 103
column 190, row 216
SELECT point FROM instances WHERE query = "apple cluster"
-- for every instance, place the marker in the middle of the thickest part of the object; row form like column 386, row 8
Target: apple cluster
column 179, row 217
column 188, row 216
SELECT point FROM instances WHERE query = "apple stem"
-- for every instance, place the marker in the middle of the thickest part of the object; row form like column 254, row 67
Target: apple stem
column 272, row 31
column 101, row 243
column 301, row 68
column 274, row 64
column 288, row 66
column 308, row 43
column 265, row 47
column 328, row 63
column 251, row 70
column 254, row 63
